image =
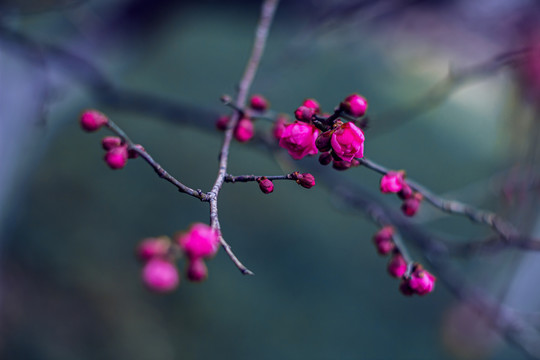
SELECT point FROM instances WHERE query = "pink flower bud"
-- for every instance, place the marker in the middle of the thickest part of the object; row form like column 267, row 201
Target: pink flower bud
column 323, row 141
column 153, row 247
column 312, row 103
column 305, row 180
column 222, row 122
column 341, row 165
column 160, row 275
column 405, row 288
column 132, row 154
column 258, row 102
column 304, row 113
column 411, row 205
column 244, row 130
column 383, row 240
column 421, row 281
column 406, row 192
column 348, row 142
column 109, row 142
column 397, row 266
column 392, row 182
column 92, row 120
column 279, row 126
column 200, row 241
column 298, row 139
column 266, row 186
column 325, row 158
column 117, row 157
column 196, row 270
column 354, row 105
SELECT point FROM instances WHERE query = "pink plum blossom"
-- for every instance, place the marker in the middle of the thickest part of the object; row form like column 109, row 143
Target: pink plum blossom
column 397, row 266
column 92, row 120
column 392, row 182
column 160, row 275
column 244, row 130
column 304, row 113
column 312, row 103
column 383, row 240
column 279, row 126
column 411, row 205
column 266, row 186
column 348, row 142
column 153, row 247
column 117, row 157
column 421, row 282
column 354, row 105
column 196, row 270
column 298, row 139
column 200, row 241
column 258, row 102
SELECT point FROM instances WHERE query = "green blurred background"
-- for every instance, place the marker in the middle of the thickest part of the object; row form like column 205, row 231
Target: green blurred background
column 70, row 281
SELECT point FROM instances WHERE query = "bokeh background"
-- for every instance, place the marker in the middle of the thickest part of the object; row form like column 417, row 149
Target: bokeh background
column 70, row 283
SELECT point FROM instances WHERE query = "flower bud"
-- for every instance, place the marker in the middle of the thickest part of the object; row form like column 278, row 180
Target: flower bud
column 279, row 126
column 92, row 120
column 313, row 104
column 406, row 192
column 411, row 205
column 258, row 102
column 341, row 165
column 244, row 130
column 421, row 282
column 132, row 154
column 392, row 182
column 325, row 158
column 383, row 240
column 397, row 266
column 266, row 186
column 196, row 270
column 200, row 241
column 109, row 142
column 348, row 141
column 222, row 122
column 160, row 275
column 298, row 139
column 117, row 157
column 354, row 105
column 323, row 141
column 153, row 247
column 305, row 180
column 304, row 113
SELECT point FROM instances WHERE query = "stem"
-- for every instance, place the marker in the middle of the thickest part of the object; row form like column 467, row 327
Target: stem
column 261, row 34
column 503, row 228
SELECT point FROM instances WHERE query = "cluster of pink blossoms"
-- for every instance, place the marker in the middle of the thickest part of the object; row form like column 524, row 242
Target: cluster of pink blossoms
column 159, row 255
column 245, row 128
column 339, row 142
column 117, row 153
column 415, row 280
column 394, row 182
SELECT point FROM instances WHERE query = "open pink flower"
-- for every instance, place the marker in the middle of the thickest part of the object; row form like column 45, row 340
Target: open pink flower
column 298, row 139
column 392, row 182
column 348, row 142
column 201, row 241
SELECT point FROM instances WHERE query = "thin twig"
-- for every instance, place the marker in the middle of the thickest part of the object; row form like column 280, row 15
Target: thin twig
column 502, row 227
column 261, row 34
column 162, row 173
